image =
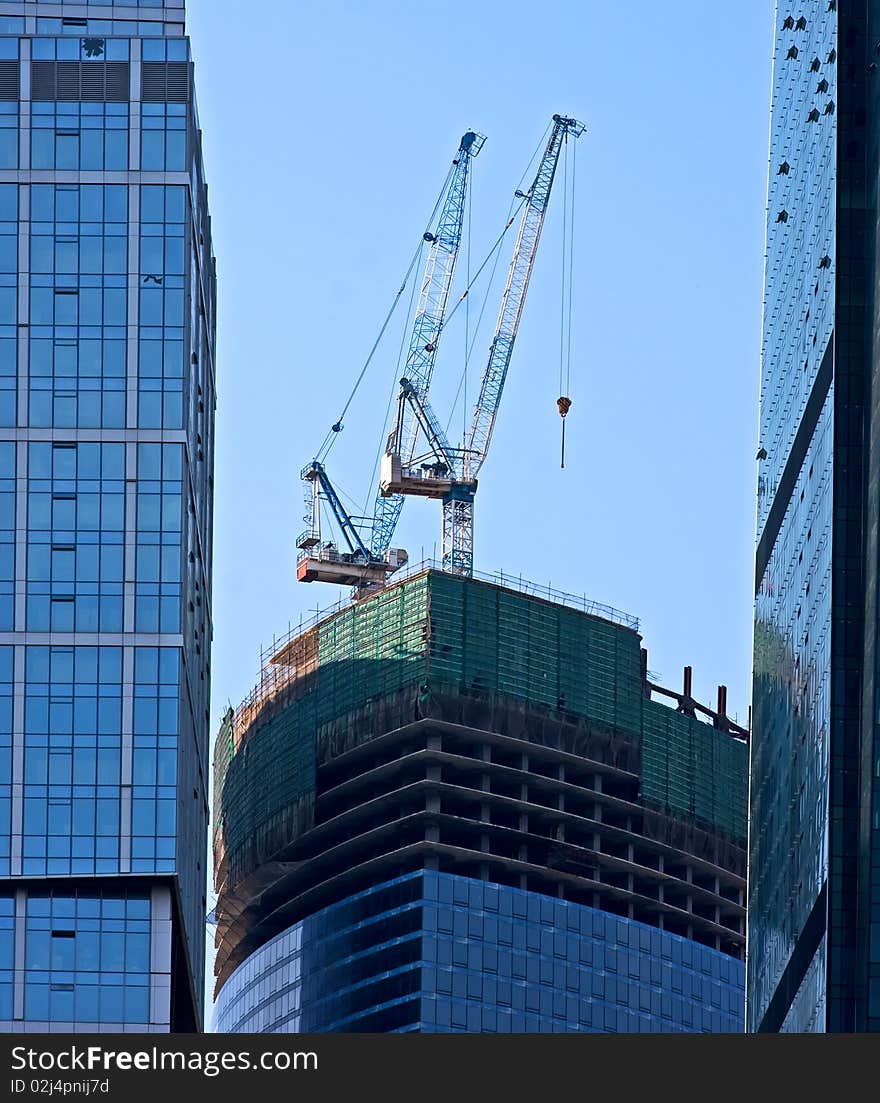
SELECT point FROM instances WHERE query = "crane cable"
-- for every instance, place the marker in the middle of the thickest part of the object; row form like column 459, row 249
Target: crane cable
column 571, row 257
column 337, row 426
column 562, row 388
column 391, row 393
column 564, row 402
column 470, row 351
column 467, row 321
column 489, row 256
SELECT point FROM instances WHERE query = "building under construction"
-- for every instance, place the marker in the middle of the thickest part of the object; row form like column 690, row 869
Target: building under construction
column 459, row 805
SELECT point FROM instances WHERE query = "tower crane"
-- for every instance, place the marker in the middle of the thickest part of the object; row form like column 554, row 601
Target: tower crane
column 430, row 314
column 448, row 473
column 369, row 558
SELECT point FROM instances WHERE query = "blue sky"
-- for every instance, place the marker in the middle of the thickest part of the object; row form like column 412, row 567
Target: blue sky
column 328, row 130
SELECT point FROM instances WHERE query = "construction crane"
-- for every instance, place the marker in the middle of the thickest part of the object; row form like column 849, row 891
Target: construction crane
column 369, row 558
column 450, row 473
column 430, row 314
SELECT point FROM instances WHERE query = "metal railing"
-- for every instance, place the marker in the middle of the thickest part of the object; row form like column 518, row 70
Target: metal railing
column 329, row 553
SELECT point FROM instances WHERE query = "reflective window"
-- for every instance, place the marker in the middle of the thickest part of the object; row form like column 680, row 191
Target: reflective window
column 7, row 535
column 6, row 688
column 159, row 523
column 76, row 536
column 76, row 48
column 72, row 759
column 7, row 953
column 162, row 267
column 79, row 136
column 79, row 244
column 163, row 137
column 156, row 726
column 87, row 958
column 8, row 135
column 8, row 296
column 788, row 858
column 432, row 952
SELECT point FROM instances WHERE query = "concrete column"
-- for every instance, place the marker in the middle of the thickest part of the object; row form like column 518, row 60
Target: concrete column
column 160, row 956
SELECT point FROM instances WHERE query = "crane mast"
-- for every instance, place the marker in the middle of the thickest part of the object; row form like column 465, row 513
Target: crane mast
column 443, row 245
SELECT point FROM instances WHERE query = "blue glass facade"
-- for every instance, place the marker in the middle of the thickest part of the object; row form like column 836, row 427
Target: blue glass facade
column 438, row 953
column 790, row 759
column 814, row 950
column 85, row 957
column 106, row 449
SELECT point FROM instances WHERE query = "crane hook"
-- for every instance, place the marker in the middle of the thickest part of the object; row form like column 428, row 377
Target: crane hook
column 564, row 405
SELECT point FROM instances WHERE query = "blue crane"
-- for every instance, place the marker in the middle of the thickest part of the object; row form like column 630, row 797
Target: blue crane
column 370, row 559
column 448, row 473
column 427, row 327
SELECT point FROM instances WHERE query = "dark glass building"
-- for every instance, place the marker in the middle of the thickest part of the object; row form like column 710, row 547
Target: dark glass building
column 106, row 447
column 814, row 892
column 456, row 805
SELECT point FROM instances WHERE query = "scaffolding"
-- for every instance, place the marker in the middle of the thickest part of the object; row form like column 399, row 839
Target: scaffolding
column 434, row 632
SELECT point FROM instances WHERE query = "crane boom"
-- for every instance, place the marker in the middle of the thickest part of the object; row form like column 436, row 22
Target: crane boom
column 458, row 502
column 443, row 243
column 510, row 313
column 317, row 475
column 320, row 562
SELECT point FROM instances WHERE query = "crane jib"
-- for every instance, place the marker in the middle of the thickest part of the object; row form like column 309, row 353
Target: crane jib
column 513, row 298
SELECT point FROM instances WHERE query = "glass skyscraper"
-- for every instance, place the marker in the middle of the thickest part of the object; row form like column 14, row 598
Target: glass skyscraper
column 814, row 869
column 107, row 300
